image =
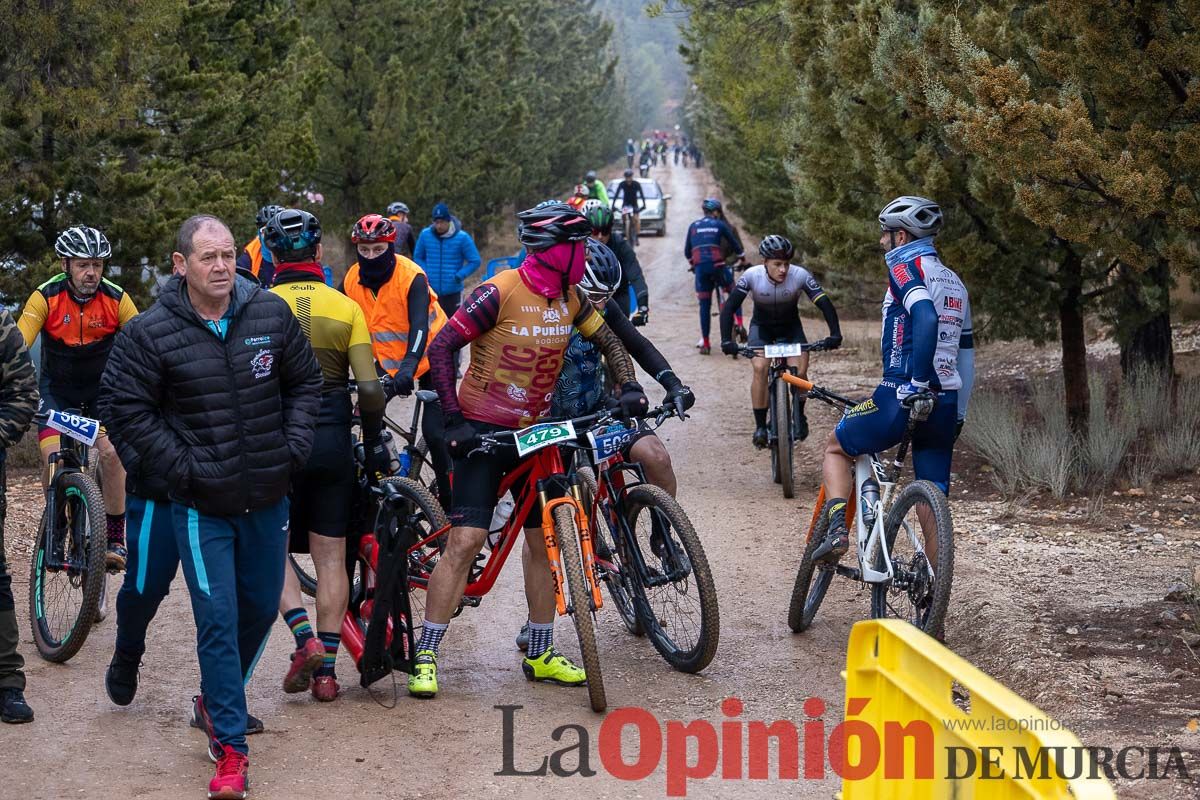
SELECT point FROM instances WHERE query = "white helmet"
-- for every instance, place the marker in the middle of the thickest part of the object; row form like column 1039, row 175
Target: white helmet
column 918, row 216
column 591, row 205
column 82, row 242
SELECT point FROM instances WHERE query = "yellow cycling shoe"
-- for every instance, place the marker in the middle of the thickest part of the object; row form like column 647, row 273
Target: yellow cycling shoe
column 553, row 666
column 423, row 680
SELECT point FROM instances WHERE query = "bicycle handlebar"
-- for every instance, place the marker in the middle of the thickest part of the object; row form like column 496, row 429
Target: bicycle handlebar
column 798, row 382
column 489, row 441
column 805, row 347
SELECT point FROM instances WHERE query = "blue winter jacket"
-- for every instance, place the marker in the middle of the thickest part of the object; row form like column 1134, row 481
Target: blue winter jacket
column 447, row 260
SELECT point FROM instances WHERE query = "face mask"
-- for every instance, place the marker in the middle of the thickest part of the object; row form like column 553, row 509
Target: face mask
column 375, row 272
column 546, row 269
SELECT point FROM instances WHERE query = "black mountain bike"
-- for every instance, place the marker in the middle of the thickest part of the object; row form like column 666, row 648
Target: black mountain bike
column 67, row 573
column 783, row 411
column 648, row 554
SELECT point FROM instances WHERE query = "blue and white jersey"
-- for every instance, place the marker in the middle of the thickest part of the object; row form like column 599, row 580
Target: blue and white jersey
column 910, row 280
column 580, row 386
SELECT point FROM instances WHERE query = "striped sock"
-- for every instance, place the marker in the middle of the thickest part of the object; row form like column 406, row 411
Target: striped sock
column 431, row 636
column 541, row 639
column 115, row 525
column 297, row 621
column 331, row 640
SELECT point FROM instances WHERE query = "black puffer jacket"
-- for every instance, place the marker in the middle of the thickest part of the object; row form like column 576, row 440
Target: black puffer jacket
column 217, row 425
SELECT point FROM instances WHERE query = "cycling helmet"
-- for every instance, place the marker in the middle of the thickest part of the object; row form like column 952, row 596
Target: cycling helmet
column 292, row 235
column 590, row 205
column 602, row 273
column 711, row 204
column 397, row 208
column 548, row 224
column 82, row 242
column 265, row 213
column 582, row 190
column 373, row 228
column 600, row 217
column 590, row 176
column 776, row 247
column 628, row 173
column 918, row 216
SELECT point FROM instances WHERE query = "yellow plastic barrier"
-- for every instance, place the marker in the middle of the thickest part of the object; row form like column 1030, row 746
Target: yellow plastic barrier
column 923, row 723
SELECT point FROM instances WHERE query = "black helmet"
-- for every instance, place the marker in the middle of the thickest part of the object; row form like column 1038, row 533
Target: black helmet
column 548, row 224
column 628, row 173
column 602, row 274
column 265, row 213
column 776, row 247
column 711, row 204
column 292, row 235
column 82, row 242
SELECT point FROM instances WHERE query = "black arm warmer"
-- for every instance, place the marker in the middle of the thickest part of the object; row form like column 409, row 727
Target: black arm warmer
column 736, row 297
column 826, row 306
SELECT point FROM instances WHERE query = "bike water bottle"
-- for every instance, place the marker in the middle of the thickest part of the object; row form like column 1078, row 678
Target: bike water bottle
column 504, row 510
column 869, row 497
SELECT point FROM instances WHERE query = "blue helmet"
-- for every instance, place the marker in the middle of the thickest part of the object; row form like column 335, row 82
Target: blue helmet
column 711, row 204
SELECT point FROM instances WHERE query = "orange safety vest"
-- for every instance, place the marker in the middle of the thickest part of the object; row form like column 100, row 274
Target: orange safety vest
column 386, row 311
column 254, row 250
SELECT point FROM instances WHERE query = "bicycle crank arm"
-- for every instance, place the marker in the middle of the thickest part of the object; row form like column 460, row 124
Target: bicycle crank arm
column 680, row 572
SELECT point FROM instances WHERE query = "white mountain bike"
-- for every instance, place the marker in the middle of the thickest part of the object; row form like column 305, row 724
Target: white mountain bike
column 904, row 533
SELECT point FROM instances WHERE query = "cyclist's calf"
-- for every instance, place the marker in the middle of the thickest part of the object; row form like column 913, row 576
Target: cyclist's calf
column 651, row 453
column 837, row 469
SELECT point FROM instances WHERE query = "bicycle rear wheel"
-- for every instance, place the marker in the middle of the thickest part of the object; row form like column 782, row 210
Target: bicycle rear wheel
column 785, row 440
column 581, row 601
column 425, row 513
column 807, row 593
column 919, row 590
column 63, row 601
column 611, row 549
column 676, row 598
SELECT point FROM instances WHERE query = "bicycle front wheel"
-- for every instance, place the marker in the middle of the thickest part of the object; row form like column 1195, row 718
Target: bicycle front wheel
column 785, row 440
column 812, row 579
column 616, row 570
column 581, row 601
column 919, row 535
column 66, row 573
column 677, row 598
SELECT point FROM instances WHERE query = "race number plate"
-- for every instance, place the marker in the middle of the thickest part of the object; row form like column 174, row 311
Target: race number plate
column 535, row 437
column 77, row 427
column 783, row 350
column 610, row 441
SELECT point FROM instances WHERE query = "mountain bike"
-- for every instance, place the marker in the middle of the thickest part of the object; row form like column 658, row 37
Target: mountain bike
column 904, row 536
column 648, row 554
column 67, row 572
column 410, row 461
column 740, row 334
column 558, row 491
column 630, row 225
column 782, row 405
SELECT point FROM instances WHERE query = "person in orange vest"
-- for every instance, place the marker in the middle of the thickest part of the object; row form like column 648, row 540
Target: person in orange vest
column 254, row 256
column 403, row 316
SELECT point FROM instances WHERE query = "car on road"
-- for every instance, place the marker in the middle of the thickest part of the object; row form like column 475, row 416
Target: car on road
column 654, row 218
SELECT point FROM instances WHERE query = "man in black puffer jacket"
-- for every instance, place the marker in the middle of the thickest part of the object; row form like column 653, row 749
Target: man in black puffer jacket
column 214, row 406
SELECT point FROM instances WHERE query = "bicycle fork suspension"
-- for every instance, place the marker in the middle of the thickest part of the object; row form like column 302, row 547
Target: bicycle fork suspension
column 553, row 555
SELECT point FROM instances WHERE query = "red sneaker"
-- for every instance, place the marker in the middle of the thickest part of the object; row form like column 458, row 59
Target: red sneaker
column 305, row 661
column 230, row 780
column 325, row 688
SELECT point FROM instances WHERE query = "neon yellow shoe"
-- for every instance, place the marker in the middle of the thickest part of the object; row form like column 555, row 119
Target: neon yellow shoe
column 553, row 666
column 423, row 680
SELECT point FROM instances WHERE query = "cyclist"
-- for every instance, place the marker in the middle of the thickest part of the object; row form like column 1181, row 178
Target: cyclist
column 703, row 249
column 255, row 257
column 79, row 312
column 776, row 286
column 580, row 195
column 519, row 324
column 630, row 152
column 580, row 389
column 644, row 161
column 630, row 191
column 601, row 220
column 927, row 350
column 322, row 493
column 595, row 186
column 403, row 316
column 398, row 212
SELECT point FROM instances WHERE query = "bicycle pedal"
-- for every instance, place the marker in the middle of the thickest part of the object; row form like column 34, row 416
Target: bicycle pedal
column 473, row 602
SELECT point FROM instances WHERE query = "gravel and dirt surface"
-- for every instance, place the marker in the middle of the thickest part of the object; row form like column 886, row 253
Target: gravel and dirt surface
column 1064, row 602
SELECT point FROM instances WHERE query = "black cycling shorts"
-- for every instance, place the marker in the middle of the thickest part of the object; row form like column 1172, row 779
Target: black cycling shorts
column 642, row 432
column 476, row 480
column 323, row 492
column 788, row 333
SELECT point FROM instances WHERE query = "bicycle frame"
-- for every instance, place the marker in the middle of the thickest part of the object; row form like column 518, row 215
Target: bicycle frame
column 70, row 457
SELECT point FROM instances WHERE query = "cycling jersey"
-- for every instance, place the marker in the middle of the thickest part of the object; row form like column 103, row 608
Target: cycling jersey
column 915, row 273
column 632, row 194
column 705, row 238
column 596, row 191
column 78, row 336
column 775, row 303
column 518, row 339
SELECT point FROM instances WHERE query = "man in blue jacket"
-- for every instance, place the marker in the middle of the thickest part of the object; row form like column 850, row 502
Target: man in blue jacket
column 448, row 255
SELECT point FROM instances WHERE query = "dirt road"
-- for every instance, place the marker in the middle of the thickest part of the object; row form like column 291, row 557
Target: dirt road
column 83, row 746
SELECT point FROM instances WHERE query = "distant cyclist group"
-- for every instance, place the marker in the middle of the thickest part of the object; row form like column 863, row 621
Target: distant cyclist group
column 231, row 408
